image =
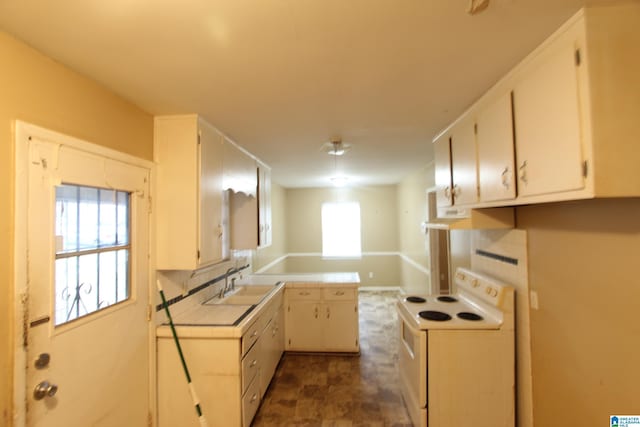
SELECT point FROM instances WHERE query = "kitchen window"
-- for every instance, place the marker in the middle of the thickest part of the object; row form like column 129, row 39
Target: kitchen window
column 92, row 268
column 341, row 230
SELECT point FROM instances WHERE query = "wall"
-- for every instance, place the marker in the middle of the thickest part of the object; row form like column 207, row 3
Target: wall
column 379, row 231
column 414, row 244
column 583, row 261
column 38, row 90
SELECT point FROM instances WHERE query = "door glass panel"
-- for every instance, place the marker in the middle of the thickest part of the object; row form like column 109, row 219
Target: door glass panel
column 92, row 250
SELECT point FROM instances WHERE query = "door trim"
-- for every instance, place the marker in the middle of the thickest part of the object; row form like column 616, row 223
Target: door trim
column 22, row 131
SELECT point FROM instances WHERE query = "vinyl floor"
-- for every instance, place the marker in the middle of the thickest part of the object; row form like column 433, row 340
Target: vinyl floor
column 333, row 390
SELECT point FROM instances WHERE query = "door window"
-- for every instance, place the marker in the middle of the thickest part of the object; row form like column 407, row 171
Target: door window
column 92, row 269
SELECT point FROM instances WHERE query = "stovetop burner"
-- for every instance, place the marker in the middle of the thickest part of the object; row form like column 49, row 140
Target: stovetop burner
column 446, row 298
column 416, row 299
column 469, row 316
column 434, row 315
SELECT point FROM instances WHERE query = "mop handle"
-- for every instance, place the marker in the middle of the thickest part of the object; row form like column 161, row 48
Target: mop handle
column 192, row 390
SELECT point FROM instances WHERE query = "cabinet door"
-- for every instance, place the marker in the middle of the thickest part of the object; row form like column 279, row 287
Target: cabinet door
column 304, row 326
column 442, row 156
column 210, row 246
column 264, row 205
column 463, row 163
column 341, row 325
column 494, row 136
column 547, row 124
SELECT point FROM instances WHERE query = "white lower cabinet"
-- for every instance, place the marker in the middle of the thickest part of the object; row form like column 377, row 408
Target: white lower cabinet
column 322, row 318
column 229, row 374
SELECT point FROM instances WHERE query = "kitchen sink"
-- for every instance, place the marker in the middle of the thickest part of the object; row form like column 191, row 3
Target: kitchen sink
column 243, row 295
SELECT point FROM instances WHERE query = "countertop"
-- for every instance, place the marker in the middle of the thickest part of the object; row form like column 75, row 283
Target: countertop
column 211, row 321
column 298, row 279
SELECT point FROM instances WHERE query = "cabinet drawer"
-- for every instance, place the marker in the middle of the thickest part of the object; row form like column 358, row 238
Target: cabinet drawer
column 250, row 402
column 250, row 366
column 251, row 336
column 332, row 294
column 297, row 294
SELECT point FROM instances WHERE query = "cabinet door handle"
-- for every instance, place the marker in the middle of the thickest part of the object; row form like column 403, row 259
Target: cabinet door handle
column 505, row 178
column 316, row 312
column 523, row 172
column 456, row 191
column 254, row 362
column 254, row 334
column 304, row 293
column 447, row 193
column 339, row 293
column 328, row 312
column 254, row 397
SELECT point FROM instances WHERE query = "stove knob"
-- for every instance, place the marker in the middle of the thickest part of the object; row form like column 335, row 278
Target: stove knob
column 475, row 283
column 488, row 290
column 494, row 293
column 460, row 275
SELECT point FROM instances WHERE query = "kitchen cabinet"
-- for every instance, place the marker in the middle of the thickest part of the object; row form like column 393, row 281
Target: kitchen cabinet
column 456, row 173
column 494, row 138
column 240, row 174
column 264, row 205
column 188, row 198
column 230, row 369
column 321, row 319
column 573, row 115
column 547, row 121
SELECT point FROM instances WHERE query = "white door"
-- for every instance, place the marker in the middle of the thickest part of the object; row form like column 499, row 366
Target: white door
column 87, row 332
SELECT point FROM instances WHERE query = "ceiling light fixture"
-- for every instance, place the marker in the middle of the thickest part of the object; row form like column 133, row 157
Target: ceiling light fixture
column 477, row 6
column 337, row 148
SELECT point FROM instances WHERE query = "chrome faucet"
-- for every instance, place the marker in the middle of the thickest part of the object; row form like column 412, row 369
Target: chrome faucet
column 226, row 282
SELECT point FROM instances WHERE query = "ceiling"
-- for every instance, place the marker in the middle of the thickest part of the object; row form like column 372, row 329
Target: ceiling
column 283, row 77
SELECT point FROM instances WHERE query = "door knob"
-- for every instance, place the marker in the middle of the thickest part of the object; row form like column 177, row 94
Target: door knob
column 44, row 389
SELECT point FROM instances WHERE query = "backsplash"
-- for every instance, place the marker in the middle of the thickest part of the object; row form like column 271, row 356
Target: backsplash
column 184, row 289
column 503, row 254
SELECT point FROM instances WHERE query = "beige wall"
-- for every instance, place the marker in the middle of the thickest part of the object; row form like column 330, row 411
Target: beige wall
column 377, row 209
column 379, row 233
column 38, row 90
column 585, row 337
column 414, row 245
column 278, row 248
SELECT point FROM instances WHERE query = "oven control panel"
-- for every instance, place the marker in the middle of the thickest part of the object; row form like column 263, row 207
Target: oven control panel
column 486, row 288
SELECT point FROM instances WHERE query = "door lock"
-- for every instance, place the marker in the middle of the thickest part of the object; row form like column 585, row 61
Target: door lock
column 42, row 361
column 44, row 389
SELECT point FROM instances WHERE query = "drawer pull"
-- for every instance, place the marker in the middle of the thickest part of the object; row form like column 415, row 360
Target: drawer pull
column 339, row 293
column 254, row 334
column 304, row 293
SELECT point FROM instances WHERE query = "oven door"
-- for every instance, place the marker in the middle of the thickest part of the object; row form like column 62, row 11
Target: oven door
column 412, row 361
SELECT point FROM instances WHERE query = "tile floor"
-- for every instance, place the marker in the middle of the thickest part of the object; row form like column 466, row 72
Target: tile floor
column 333, row 390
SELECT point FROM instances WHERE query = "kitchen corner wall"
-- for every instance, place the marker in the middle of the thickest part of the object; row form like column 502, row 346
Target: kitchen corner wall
column 413, row 243
column 585, row 336
column 38, row 90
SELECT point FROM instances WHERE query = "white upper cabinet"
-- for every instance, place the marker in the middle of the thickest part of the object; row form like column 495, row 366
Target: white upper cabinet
column 494, row 136
column 463, row 163
column 547, row 121
column 455, row 158
column 264, row 205
column 570, row 110
column 189, row 229
column 442, row 155
column 240, row 170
